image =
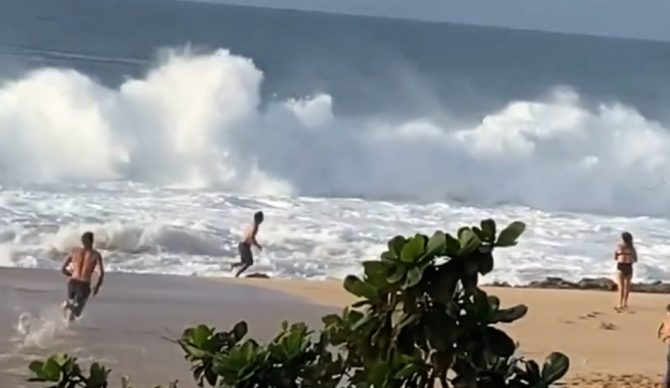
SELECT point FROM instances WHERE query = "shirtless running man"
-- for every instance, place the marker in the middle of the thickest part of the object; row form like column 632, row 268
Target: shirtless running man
column 248, row 240
column 79, row 266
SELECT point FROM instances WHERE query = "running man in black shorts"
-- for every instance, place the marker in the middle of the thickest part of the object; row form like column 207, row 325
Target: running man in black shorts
column 248, row 240
column 79, row 267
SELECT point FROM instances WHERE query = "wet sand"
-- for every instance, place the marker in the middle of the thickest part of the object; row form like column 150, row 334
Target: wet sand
column 124, row 325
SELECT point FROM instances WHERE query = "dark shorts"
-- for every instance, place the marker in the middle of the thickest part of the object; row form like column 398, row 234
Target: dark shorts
column 77, row 295
column 626, row 269
column 245, row 253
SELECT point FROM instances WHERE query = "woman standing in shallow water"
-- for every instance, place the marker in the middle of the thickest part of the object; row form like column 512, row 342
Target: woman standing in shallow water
column 625, row 255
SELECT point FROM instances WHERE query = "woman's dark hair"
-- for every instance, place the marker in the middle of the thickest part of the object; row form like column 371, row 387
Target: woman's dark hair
column 258, row 217
column 627, row 238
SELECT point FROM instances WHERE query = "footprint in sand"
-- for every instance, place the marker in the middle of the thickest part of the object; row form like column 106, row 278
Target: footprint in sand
column 607, row 326
column 590, row 315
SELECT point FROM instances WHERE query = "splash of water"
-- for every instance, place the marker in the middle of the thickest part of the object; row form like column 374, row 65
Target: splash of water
column 41, row 330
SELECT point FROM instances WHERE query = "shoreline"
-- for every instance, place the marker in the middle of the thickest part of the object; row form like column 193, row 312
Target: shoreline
column 124, row 327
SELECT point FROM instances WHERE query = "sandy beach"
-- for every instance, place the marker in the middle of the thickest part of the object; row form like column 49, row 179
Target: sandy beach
column 124, row 326
column 606, row 348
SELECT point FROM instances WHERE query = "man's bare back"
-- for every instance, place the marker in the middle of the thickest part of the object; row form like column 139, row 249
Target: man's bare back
column 83, row 263
column 79, row 267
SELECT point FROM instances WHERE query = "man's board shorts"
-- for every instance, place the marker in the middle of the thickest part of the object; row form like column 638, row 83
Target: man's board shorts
column 245, row 253
column 78, row 292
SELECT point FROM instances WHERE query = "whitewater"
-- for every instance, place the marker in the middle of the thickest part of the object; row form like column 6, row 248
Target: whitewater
column 167, row 168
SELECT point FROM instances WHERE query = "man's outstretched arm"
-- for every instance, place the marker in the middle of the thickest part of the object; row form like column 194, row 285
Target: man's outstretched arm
column 101, row 276
column 66, row 264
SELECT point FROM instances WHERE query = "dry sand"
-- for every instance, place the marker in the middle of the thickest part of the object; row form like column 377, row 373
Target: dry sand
column 606, row 348
column 124, row 325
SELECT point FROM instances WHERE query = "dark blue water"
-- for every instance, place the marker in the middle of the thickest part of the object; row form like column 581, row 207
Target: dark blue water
column 393, row 66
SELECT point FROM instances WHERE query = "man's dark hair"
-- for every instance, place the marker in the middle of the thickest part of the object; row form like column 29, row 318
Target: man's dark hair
column 87, row 239
column 667, row 308
column 258, row 217
column 627, row 238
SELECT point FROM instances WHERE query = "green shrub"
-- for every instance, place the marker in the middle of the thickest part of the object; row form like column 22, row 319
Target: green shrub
column 421, row 320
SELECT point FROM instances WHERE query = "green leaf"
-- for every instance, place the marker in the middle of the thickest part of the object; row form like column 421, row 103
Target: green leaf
column 378, row 373
column 437, row 244
column 485, row 263
column 413, row 277
column 360, row 288
column 397, row 316
column 499, row 343
column 489, row 230
column 533, row 370
column 360, row 303
column 443, row 287
column 361, row 322
column 51, row 370
column 510, row 234
column 98, row 376
column 376, row 272
column 413, row 250
column 200, row 335
column 331, row 319
column 494, row 303
column 555, row 367
column 440, row 329
column 442, row 361
column 193, row 351
column 481, row 307
column 389, row 258
column 479, row 233
column 397, row 274
column 469, row 242
column 396, row 245
column 240, row 330
column 452, row 245
column 511, row 314
column 36, row 367
column 353, row 316
column 407, row 371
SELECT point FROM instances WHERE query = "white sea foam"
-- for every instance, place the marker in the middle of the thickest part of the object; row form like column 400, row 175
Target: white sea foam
column 195, row 121
column 192, row 129
column 147, row 229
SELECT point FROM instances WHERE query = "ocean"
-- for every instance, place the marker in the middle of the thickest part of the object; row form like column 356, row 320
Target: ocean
column 163, row 125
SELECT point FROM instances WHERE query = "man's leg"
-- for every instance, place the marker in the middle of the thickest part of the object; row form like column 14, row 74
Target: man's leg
column 666, row 381
column 244, row 268
column 79, row 296
column 69, row 300
column 247, row 258
column 82, row 298
column 242, row 250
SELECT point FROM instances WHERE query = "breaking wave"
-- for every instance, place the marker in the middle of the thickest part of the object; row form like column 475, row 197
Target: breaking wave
column 196, row 121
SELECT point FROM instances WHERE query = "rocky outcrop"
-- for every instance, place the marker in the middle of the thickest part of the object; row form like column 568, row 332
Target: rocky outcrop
column 652, row 288
column 600, row 284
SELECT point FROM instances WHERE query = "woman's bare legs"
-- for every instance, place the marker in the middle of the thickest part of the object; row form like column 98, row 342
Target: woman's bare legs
column 621, row 285
column 626, row 290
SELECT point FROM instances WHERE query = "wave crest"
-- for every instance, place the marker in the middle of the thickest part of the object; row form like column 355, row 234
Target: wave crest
column 196, row 121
